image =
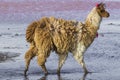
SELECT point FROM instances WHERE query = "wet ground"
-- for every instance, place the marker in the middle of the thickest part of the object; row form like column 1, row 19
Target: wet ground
column 102, row 58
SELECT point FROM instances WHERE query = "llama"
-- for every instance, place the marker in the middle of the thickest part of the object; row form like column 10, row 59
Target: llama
column 62, row 36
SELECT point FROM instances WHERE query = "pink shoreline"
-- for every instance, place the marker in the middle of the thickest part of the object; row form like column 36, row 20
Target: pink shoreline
column 27, row 7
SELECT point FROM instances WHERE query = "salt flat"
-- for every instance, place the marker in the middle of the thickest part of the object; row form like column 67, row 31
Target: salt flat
column 102, row 57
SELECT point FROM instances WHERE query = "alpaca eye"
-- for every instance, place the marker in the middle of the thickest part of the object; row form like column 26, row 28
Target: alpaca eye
column 102, row 11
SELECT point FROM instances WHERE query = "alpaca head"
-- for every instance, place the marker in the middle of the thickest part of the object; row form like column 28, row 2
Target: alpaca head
column 101, row 10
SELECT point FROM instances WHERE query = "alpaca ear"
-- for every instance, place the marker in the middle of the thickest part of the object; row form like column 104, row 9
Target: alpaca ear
column 100, row 4
column 104, row 5
column 97, row 5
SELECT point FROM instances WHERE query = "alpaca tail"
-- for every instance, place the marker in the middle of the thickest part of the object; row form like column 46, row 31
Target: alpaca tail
column 30, row 32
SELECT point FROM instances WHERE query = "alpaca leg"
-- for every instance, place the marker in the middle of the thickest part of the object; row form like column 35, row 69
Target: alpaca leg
column 44, row 69
column 28, row 56
column 83, row 65
column 41, row 62
column 62, row 58
column 80, row 59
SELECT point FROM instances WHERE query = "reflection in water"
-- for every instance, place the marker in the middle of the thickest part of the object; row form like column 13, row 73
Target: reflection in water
column 84, row 76
column 26, row 77
column 45, row 77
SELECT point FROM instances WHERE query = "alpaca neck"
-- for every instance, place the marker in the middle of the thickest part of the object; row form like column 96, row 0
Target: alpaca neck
column 92, row 24
column 93, row 19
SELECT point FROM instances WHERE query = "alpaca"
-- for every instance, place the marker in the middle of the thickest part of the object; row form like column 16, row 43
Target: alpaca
column 62, row 36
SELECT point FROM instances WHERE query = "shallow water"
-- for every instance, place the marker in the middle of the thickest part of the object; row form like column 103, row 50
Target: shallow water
column 102, row 58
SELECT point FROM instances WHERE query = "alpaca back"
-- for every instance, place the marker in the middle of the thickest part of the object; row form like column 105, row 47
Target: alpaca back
column 65, row 34
column 54, row 34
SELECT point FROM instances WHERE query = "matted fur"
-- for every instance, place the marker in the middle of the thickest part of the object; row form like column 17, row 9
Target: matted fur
column 62, row 36
column 30, row 32
column 56, row 34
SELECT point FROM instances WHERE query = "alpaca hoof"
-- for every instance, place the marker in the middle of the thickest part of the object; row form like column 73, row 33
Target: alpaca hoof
column 25, row 73
column 58, row 72
column 46, row 73
column 86, row 72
